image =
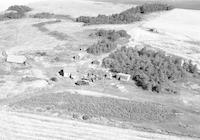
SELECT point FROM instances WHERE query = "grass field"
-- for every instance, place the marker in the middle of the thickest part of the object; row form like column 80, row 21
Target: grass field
column 110, row 111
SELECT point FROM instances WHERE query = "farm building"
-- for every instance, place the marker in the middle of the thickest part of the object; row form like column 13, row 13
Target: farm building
column 123, row 77
column 19, row 59
column 69, row 72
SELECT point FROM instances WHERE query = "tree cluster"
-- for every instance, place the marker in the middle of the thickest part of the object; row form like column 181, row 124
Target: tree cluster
column 112, row 19
column 131, row 15
column 15, row 12
column 154, row 71
column 102, row 46
column 148, row 8
column 19, row 8
column 107, row 41
column 11, row 15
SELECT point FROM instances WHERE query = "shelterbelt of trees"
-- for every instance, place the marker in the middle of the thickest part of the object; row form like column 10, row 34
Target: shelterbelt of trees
column 151, row 70
column 107, row 41
column 128, row 16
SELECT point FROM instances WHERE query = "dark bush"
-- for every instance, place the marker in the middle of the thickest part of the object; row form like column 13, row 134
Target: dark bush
column 149, row 69
column 12, row 15
column 103, row 46
column 54, row 79
column 43, row 15
column 85, row 117
column 47, row 15
column 41, row 53
column 128, row 16
column 112, row 35
column 19, row 8
column 123, row 33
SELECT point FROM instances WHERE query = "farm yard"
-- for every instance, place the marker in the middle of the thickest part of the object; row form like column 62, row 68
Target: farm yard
column 82, row 70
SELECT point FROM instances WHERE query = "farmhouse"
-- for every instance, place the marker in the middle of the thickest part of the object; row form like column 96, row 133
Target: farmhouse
column 123, row 77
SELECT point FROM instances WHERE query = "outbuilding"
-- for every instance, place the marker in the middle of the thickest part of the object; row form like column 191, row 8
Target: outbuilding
column 123, row 76
column 78, row 56
column 19, row 59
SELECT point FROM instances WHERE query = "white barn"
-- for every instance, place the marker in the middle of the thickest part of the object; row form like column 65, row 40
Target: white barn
column 123, row 77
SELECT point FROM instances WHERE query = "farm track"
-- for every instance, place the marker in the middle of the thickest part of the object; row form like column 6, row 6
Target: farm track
column 22, row 126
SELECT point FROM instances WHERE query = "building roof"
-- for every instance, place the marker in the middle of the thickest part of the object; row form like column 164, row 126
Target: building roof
column 123, row 74
column 16, row 59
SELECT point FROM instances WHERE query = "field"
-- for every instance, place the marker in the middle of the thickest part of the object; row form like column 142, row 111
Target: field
column 43, row 127
column 36, row 102
column 172, row 36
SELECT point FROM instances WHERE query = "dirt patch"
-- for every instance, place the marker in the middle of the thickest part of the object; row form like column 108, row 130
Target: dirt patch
column 58, row 35
column 110, row 108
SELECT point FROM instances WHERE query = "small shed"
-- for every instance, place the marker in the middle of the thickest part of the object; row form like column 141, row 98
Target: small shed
column 153, row 30
column 19, row 59
column 108, row 75
column 3, row 55
column 78, row 56
column 123, row 77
